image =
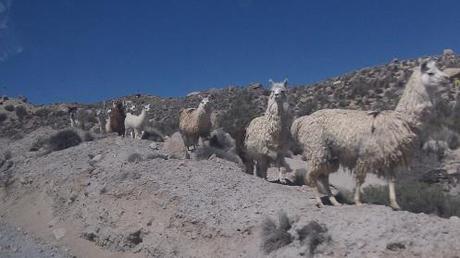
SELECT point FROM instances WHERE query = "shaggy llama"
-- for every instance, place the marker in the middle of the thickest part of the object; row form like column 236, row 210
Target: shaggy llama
column 195, row 123
column 116, row 119
column 376, row 142
column 136, row 122
column 267, row 136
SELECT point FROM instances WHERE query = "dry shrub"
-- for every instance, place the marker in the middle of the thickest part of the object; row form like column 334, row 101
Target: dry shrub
column 63, row 140
column 273, row 236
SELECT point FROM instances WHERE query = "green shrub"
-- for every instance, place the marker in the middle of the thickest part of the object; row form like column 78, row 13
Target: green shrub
column 63, row 140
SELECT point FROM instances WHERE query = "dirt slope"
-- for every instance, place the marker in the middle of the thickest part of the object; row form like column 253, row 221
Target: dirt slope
column 90, row 200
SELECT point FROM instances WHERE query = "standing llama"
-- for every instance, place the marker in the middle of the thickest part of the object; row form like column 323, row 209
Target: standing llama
column 72, row 111
column 267, row 136
column 376, row 142
column 117, row 119
column 136, row 122
column 195, row 123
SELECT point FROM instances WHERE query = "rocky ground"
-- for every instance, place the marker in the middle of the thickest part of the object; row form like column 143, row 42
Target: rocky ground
column 119, row 197
column 96, row 200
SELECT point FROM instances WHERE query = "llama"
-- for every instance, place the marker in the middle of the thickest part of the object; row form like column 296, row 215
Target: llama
column 195, row 123
column 107, row 123
column 376, row 142
column 116, row 119
column 72, row 111
column 136, row 122
column 267, row 136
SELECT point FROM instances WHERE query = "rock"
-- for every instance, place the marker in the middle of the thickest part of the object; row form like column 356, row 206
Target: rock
column 194, row 93
column 448, row 52
column 395, row 246
column 255, row 86
column 97, row 158
column 52, row 222
column 174, row 146
column 59, row 233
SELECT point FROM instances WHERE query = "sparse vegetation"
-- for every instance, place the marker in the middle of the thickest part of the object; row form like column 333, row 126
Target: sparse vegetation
column 275, row 237
column 21, row 112
column 42, row 112
column 135, row 157
column 312, row 235
column 63, row 140
column 3, row 117
column 9, row 108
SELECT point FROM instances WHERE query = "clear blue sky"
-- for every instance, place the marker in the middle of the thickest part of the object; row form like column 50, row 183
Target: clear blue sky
column 88, row 50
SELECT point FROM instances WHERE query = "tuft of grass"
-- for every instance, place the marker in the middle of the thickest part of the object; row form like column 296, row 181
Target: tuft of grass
column 312, row 235
column 273, row 236
column 63, row 140
column 135, row 157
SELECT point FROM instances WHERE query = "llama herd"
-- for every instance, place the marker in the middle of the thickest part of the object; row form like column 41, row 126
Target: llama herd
column 361, row 141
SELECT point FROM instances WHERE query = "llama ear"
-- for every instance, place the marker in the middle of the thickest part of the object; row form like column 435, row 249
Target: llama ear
column 285, row 82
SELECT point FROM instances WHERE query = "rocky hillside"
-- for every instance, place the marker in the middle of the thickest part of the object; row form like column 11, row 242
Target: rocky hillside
column 373, row 88
column 88, row 194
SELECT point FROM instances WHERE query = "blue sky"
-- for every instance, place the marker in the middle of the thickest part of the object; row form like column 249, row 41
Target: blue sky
column 89, row 50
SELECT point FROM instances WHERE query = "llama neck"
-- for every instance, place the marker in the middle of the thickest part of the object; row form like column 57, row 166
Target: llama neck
column 142, row 115
column 415, row 103
column 275, row 114
column 202, row 111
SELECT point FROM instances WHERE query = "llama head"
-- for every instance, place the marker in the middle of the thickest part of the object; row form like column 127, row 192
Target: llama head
column 205, row 103
column 434, row 80
column 118, row 105
column 278, row 91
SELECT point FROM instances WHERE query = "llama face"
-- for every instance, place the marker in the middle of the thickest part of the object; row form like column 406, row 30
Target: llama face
column 279, row 90
column 434, row 79
column 205, row 102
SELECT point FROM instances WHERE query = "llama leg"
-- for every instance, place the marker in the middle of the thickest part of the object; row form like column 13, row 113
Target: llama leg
column 261, row 168
column 392, row 193
column 283, row 168
column 359, row 183
column 357, row 196
column 312, row 181
column 324, row 179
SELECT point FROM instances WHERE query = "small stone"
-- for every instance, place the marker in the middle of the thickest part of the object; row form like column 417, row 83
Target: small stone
column 97, row 158
column 395, row 246
column 52, row 222
column 59, row 233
